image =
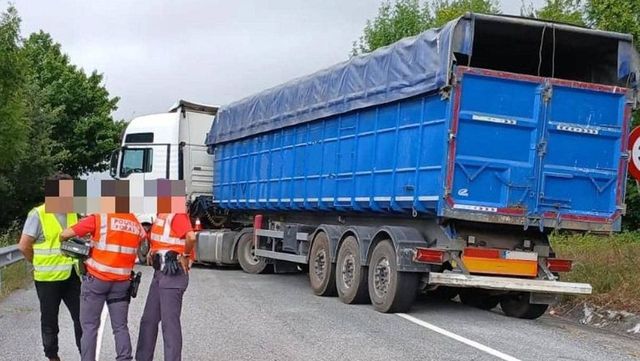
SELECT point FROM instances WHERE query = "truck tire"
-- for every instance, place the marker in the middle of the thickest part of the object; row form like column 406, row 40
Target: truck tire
column 351, row 276
column 444, row 293
column 322, row 273
column 249, row 262
column 517, row 305
column 390, row 290
column 478, row 298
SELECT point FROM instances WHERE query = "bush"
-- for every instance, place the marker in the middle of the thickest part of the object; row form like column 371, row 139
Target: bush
column 10, row 235
column 608, row 263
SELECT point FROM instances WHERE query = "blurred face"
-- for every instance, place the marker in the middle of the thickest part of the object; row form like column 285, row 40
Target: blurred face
column 115, row 196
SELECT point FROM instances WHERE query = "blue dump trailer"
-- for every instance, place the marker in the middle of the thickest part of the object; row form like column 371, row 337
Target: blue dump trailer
column 437, row 165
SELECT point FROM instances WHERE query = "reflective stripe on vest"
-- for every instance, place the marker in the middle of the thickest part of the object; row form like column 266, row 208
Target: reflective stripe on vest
column 167, row 239
column 49, row 264
column 47, row 251
column 114, row 248
column 62, row 267
column 115, row 241
column 162, row 236
column 104, row 268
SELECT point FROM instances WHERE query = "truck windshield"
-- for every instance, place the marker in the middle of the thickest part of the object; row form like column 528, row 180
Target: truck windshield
column 136, row 160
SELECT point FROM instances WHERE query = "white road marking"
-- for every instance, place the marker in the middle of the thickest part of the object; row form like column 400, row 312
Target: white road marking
column 103, row 321
column 458, row 338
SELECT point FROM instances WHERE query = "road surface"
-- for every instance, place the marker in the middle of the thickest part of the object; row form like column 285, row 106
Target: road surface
column 230, row 315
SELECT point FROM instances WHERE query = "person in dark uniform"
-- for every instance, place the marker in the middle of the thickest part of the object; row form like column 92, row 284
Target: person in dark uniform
column 172, row 242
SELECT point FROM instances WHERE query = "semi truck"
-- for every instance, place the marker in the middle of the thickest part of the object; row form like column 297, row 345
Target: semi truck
column 438, row 165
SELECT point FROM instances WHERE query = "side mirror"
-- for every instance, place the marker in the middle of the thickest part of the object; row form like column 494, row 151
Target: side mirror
column 113, row 168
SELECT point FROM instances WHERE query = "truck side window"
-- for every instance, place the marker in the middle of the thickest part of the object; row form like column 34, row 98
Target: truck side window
column 136, row 160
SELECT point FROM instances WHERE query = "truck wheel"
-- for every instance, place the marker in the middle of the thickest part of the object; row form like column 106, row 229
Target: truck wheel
column 390, row 290
column 444, row 293
column 517, row 305
column 351, row 276
column 247, row 258
column 478, row 299
column 322, row 273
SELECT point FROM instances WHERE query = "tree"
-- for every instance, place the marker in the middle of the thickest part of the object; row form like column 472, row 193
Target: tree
column 614, row 15
column 13, row 130
column 564, row 11
column 393, row 22
column 408, row 17
column 447, row 10
column 53, row 116
column 83, row 128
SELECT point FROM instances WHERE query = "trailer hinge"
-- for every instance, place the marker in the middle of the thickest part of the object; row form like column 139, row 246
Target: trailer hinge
column 547, row 93
column 542, row 148
column 625, row 155
column 623, row 209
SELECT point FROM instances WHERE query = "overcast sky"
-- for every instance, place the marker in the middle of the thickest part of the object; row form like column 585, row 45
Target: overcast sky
column 157, row 51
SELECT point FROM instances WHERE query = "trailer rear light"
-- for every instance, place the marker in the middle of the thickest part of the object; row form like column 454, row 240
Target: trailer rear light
column 559, row 265
column 429, row 255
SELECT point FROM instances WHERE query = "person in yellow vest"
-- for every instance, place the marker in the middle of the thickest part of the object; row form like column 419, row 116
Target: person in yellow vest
column 54, row 275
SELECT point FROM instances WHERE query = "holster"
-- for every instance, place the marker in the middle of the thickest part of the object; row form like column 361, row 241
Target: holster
column 132, row 292
column 135, row 283
column 171, row 264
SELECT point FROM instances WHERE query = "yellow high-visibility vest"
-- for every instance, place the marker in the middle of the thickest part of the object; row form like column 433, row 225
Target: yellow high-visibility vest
column 49, row 264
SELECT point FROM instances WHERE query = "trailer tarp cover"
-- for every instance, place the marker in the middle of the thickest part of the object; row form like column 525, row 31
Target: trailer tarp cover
column 422, row 63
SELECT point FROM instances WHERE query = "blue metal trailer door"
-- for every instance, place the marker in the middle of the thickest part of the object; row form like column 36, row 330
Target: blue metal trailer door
column 583, row 157
column 543, row 150
column 492, row 149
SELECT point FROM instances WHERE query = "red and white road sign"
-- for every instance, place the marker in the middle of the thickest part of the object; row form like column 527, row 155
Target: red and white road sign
column 634, row 148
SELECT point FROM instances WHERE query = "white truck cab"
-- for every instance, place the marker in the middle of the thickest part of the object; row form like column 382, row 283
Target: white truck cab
column 172, row 146
column 168, row 146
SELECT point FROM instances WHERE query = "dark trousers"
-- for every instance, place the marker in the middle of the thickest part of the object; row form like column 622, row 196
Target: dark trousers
column 95, row 293
column 164, row 304
column 50, row 294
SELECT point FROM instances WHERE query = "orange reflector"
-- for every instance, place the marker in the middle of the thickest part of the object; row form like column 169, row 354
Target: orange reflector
column 500, row 266
column 559, row 265
column 482, row 252
column 429, row 255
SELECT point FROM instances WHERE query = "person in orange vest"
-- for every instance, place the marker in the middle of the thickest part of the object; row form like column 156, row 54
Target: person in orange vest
column 172, row 242
column 115, row 238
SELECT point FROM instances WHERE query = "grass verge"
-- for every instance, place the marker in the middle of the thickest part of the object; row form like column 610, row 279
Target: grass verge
column 608, row 263
column 13, row 277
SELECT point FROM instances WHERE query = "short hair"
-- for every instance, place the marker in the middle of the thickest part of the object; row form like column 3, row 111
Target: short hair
column 59, row 176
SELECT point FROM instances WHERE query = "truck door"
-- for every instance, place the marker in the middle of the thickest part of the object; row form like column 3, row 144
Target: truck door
column 492, row 165
column 582, row 166
column 144, row 161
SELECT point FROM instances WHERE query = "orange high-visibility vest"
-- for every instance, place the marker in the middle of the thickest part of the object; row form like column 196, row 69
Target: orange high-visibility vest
column 163, row 237
column 115, row 241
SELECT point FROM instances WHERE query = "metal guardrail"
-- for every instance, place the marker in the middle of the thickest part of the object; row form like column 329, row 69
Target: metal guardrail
column 10, row 255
